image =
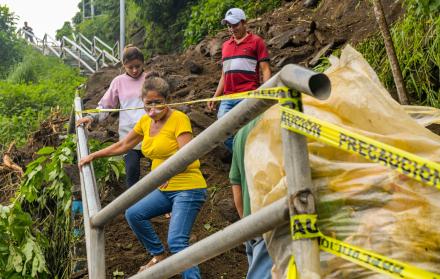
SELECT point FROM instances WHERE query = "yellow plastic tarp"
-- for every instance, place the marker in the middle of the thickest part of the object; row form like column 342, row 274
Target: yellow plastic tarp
column 359, row 202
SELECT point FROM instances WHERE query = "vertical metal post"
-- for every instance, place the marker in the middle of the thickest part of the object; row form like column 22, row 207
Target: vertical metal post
column 92, row 9
column 95, row 241
column 300, row 194
column 84, row 9
column 121, row 28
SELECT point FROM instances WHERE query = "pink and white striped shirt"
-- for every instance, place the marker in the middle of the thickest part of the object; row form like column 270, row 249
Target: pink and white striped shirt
column 124, row 92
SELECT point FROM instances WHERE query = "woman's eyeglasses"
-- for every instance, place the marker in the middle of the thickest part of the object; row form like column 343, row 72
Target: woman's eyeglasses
column 154, row 103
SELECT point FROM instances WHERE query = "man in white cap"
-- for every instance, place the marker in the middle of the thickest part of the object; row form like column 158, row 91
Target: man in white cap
column 244, row 56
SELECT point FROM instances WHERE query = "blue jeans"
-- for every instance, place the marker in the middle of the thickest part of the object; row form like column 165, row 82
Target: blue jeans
column 260, row 263
column 224, row 107
column 132, row 161
column 184, row 207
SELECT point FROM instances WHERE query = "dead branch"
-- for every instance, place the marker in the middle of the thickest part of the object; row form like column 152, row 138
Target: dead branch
column 7, row 161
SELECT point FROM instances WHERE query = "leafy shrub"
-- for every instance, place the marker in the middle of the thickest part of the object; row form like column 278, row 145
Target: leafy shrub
column 66, row 30
column 36, row 226
column 10, row 48
column 36, row 85
column 106, row 169
column 206, row 16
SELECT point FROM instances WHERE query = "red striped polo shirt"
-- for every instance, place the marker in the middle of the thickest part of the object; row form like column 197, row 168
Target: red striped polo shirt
column 240, row 63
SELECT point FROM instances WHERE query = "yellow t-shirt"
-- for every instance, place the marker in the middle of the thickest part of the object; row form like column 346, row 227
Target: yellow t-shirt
column 164, row 144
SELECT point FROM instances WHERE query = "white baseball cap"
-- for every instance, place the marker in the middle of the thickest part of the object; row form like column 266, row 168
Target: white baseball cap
column 234, row 16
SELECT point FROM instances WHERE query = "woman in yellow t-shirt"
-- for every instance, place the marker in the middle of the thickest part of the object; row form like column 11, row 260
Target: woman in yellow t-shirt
column 162, row 131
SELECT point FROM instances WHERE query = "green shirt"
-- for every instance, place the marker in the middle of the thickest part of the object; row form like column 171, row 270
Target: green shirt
column 237, row 174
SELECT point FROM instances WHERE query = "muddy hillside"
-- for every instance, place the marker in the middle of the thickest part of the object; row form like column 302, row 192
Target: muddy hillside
column 294, row 34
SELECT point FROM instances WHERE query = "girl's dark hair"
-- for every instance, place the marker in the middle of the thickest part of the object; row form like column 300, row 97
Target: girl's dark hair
column 132, row 53
column 153, row 82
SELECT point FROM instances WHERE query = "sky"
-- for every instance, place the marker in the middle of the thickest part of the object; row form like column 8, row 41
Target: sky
column 44, row 16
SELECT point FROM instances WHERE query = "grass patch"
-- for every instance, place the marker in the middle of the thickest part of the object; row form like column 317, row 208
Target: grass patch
column 33, row 88
column 417, row 43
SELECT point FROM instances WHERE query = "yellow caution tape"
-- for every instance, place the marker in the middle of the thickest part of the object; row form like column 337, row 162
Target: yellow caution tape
column 354, row 254
column 291, row 270
column 411, row 165
column 274, row 93
column 304, row 226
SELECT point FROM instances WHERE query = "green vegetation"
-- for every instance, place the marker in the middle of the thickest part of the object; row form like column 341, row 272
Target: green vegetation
column 10, row 48
column 109, row 169
column 417, row 43
column 36, row 226
column 32, row 89
column 170, row 25
column 206, row 16
column 66, row 30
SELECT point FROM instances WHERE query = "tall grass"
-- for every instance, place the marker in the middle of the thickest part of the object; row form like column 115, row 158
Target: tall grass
column 32, row 89
column 417, row 43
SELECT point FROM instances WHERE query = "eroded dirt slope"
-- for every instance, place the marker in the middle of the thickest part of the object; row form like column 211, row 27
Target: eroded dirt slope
column 294, row 34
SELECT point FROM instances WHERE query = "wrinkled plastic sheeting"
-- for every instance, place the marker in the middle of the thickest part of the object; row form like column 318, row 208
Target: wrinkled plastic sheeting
column 358, row 202
column 425, row 116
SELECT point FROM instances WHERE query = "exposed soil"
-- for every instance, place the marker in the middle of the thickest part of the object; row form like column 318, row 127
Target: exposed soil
column 294, row 34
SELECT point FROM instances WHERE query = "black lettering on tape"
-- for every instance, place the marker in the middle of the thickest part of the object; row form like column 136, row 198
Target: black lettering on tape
column 342, row 139
column 404, row 164
column 398, row 269
column 352, row 144
column 298, row 228
column 375, row 261
column 394, row 160
column 324, row 242
column 387, row 266
column 371, row 152
column 383, row 157
column 436, row 178
column 415, row 171
column 311, row 227
column 356, row 254
column 362, row 146
column 425, row 173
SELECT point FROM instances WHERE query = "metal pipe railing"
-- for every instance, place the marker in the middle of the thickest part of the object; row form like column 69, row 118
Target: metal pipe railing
column 81, row 49
column 49, row 46
column 80, row 46
column 95, row 242
column 268, row 218
column 84, row 63
column 301, row 196
column 116, row 49
column 296, row 77
column 232, row 236
column 102, row 43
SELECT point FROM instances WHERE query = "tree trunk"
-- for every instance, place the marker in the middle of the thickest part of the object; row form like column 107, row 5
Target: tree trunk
column 389, row 46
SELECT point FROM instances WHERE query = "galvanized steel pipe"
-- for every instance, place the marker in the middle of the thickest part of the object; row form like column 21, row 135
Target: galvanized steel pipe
column 233, row 235
column 296, row 77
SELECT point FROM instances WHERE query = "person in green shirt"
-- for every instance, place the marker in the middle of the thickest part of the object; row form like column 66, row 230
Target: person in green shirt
column 260, row 263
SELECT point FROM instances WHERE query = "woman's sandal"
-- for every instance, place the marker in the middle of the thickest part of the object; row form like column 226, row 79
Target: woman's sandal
column 153, row 261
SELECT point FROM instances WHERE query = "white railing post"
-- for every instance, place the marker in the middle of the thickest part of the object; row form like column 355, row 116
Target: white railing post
column 95, row 242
